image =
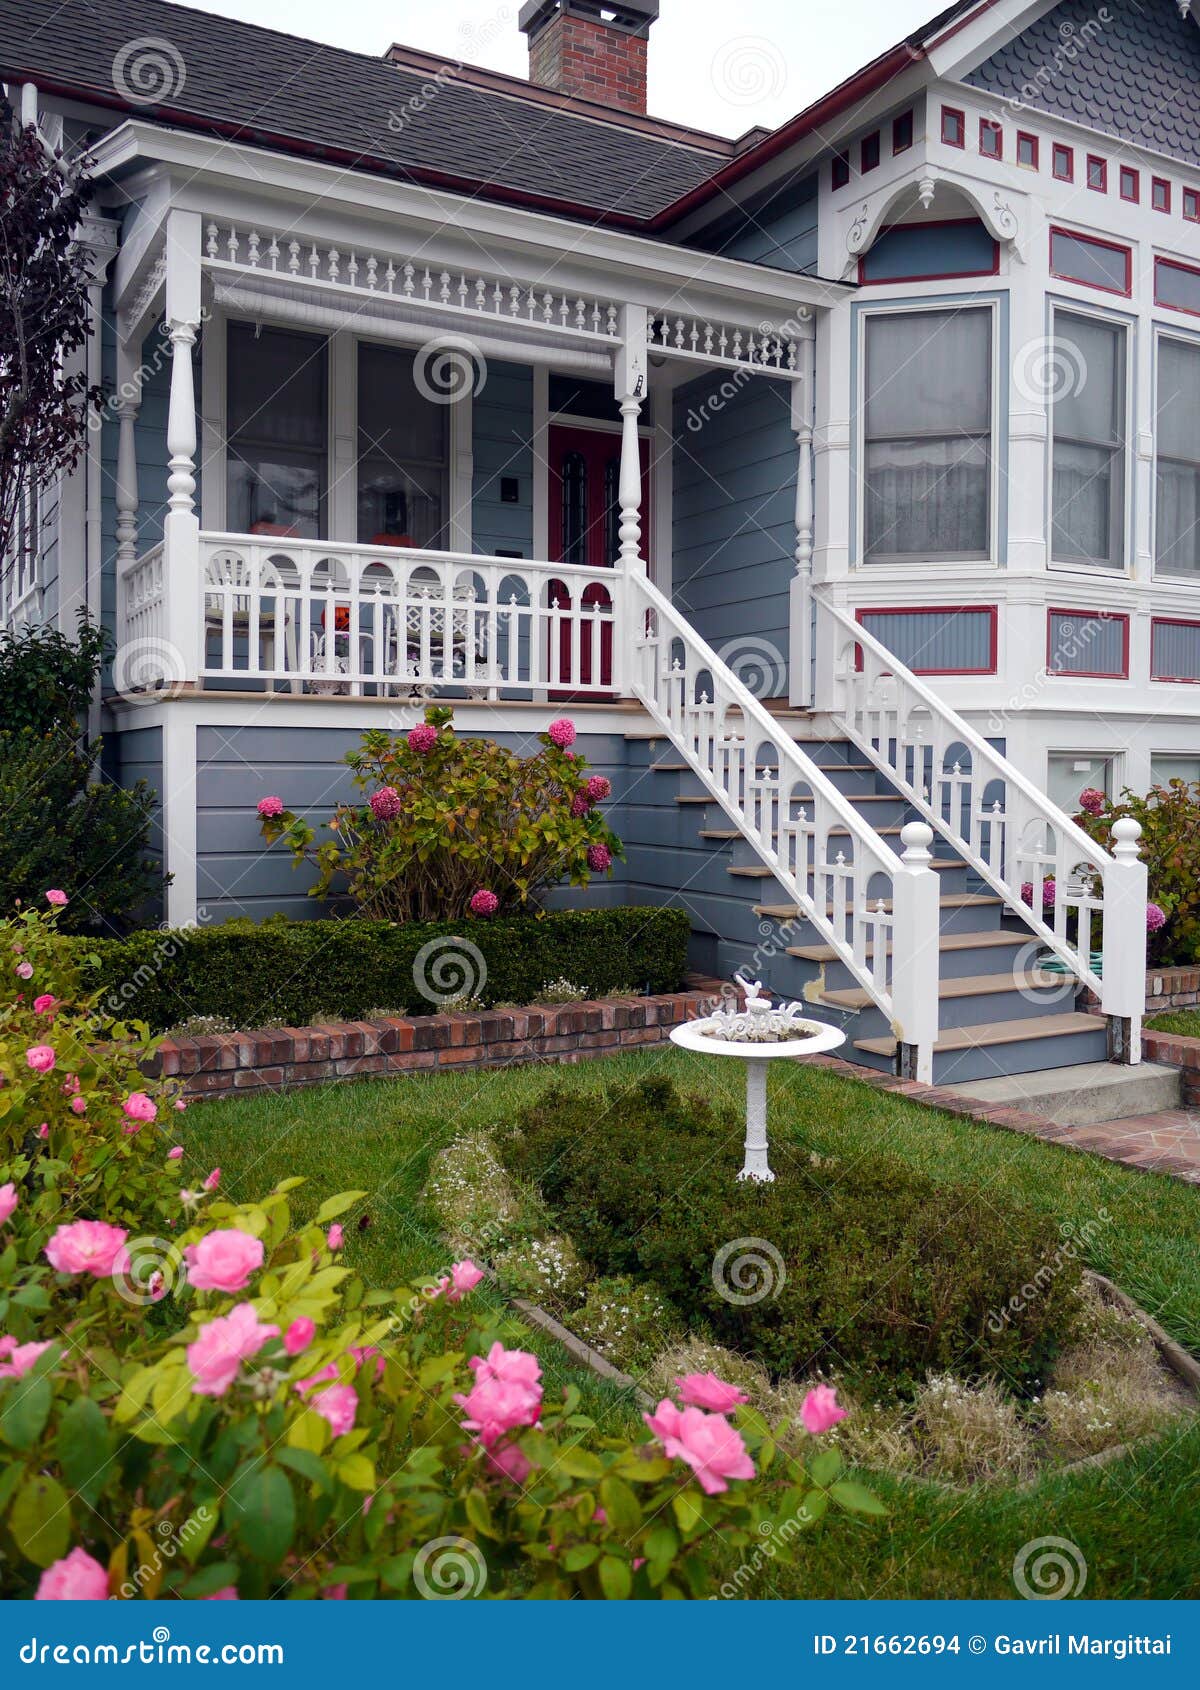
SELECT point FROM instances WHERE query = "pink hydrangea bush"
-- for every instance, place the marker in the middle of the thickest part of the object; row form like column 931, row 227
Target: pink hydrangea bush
column 448, row 822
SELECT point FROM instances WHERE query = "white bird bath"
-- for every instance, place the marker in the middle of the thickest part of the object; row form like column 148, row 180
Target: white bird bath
column 757, row 1035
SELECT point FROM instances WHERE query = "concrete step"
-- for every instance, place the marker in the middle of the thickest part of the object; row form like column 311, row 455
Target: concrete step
column 1085, row 1093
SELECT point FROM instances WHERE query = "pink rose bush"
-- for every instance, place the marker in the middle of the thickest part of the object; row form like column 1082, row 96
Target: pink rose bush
column 448, row 825
column 705, row 1390
column 223, row 1261
column 821, row 1410
column 92, row 1247
column 138, row 1107
column 712, row 1448
column 41, row 1058
column 56, row 898
column 76, row 1578
column 223, row 1345
column 8, row 1200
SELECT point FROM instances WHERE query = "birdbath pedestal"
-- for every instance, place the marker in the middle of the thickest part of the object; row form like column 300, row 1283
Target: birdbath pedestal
column 757, row 1035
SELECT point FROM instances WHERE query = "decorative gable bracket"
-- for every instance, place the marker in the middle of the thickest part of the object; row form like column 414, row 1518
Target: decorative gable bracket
column 1002, row 213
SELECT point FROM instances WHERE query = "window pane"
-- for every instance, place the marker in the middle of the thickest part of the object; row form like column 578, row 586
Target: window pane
column 402, row 454
column 927, row 498
column 1089, row 452
column 1070, row 773
column 929, row 372
column 277, row 431
column 1177, row 513
column 1090, row 262
column 1179, row 399
column 1086, row 514
column 1092, row 399
column 1168, row 768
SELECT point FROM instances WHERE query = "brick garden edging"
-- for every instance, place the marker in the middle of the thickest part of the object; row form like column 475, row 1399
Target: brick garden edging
column 1176, row 1051
column 302, row 1056
column 1172, row 988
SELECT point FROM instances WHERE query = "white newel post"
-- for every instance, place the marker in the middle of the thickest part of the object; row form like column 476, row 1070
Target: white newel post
column 1124, row 985
column 630, row 377
column 181, row 530
column 800, row 616
column 915, row 955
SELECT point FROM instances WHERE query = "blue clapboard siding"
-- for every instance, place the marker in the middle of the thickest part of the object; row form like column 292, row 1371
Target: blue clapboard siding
column 1080, row 644
column 936, row 641
column 503, row 447
column 733, row 528
column 130, row 756
column 779, row 230
column 1175, row 651
column 911, row 252
column 237, row 875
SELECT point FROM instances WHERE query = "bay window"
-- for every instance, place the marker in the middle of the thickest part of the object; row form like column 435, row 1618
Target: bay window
column 403, row 455
column 928, row 436
column 1088, row 514
column 1177, row 513
column 278, row 432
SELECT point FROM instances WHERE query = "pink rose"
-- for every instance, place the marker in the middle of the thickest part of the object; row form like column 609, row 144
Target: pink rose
column 510, row 1460
column 495, row 1407
column 227, row 1593
column 334, row 1236
column 484, row 902
column 598, row 787
column 222, row 1346
column 705, row 1390
column 79, row 1105
column 76, row 1578
column 20, row 1358
column 223, row 1261
column 422, row 738
column 8, row 1201
column 299, row 1335
column 212, row 1181
column 41, row 1058
column 181, row 1104
column 1156, row 917
column 562, row 733
column 174, row 1153
column 386, row 804
column 157, row 1286
column 599, row 858
column 712, row 1448
column 57, row 898
column 89, row 1247
column 70, row 1085
column 516, row 1367
column 138, row 1107
column 25, row 970
column 329, row 1371
column 1091, row 801
column 338, row 1405
column 44, row 1130
column 820, row 1410
column 270, row 806
column 464, row 1277
column 363, row 1353
column 45, row 1005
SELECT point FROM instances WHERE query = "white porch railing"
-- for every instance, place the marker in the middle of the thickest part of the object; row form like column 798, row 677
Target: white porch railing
column 1076, row 897
column 328, row 618
column 877, row 911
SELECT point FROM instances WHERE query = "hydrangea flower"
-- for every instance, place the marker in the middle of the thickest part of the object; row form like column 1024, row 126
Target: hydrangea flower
column 580, row 804
column 598, row 787
column 385, row 804
column 599, row 858
column 422, row 738
column 270, row 806
column 1091, row 801
column 1156, row 917
column 562, row 732
column 484, row 902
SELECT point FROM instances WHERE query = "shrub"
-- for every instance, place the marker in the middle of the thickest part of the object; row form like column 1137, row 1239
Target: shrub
column 914, row 1270
column 46, row 680
column 281, row 972
column 455, row 827
column 1170, row 847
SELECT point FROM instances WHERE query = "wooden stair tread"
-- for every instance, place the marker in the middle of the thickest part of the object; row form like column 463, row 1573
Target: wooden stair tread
column 946, row 942
column 754, row 871
column 995, row 1033
column 719, row 833
column 953, row 901
column 969, row 986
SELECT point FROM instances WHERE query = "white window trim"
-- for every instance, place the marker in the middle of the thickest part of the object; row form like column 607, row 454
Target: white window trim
column 932, row 568
column 1128, row 325
column 1161, row 331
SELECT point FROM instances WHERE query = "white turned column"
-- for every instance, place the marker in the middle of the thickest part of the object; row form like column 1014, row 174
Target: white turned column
column 800, row 690
column 631, row 392
column 756, row 1165
column 1123, row 998
column 915, row 955
column 181, row 529
column 127, row 481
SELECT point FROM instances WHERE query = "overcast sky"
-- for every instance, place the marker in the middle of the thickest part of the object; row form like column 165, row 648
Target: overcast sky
column 722, row 65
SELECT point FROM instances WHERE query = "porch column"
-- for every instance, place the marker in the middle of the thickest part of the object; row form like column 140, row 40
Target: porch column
column 127, row 481
column 800, row 617
column 181, row 530
column 630, row 392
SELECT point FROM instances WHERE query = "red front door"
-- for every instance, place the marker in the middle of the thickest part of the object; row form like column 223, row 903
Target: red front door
column 584, row 527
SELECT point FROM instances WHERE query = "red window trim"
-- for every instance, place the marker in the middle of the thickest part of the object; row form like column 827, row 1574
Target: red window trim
column 868, row 140
column 1100, row 187
column 1173, row 264
column 899, row 146
column 989, row 126
column 1034, row 163
column 989, row 610
column 1066, row 153
column 937, row 276
column 1172, row 622
column 954, row 111
column 1128, row 174
column 1191, row 197
column 1093, row 240
column 1157, row 182
column 1089, row 616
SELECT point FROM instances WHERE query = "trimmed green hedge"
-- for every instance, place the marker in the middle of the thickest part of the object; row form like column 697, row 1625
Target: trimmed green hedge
column 286, row 972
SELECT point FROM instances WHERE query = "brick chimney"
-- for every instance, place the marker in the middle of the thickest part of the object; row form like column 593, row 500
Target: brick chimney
column 590, row 49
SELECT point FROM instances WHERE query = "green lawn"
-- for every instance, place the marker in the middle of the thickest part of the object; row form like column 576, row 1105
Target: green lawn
column 1134, row 1520
column 1185, row 1022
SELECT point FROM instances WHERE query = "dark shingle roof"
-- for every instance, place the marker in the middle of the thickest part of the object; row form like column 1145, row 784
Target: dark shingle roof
column 272, row 89
column 1135, row 74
